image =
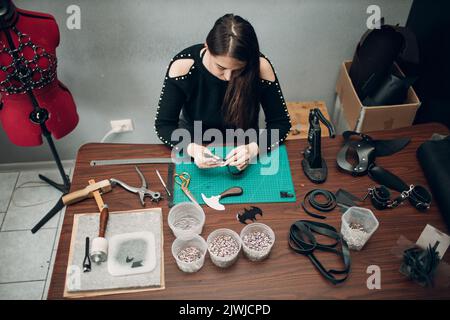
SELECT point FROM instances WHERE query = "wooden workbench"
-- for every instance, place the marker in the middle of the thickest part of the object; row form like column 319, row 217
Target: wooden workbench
column 284, row 275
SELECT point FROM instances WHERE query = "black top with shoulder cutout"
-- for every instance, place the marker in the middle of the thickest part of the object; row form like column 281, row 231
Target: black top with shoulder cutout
column 198, row 96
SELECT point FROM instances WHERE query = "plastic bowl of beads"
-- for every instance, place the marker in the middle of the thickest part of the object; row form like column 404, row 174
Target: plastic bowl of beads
column 186, row 218
column 224, row 246
column 257, row 241
column 358, row 225
column 189, row 252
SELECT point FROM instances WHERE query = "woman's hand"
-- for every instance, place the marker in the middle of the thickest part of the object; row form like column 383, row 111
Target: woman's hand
column 203, row 157
column 240, row 156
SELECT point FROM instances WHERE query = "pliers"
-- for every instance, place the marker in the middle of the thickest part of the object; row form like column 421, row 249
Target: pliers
column 142, row 191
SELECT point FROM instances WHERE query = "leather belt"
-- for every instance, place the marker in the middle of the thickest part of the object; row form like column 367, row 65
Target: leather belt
column 303, row 241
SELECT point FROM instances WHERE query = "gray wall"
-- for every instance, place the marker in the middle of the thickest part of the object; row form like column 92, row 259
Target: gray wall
column 115, row 64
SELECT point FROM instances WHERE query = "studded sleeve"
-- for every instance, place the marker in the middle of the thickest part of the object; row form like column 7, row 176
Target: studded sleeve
column 173, row 95
column 276, row 114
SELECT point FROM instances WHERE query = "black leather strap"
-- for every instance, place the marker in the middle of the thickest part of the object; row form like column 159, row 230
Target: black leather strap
column 311, row 199
column 380, row 197
column 420, row 198
column 418, row 195
column 366, row 150
column 303, row 241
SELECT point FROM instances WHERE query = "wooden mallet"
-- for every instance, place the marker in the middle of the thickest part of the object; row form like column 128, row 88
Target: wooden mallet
column 99, row 248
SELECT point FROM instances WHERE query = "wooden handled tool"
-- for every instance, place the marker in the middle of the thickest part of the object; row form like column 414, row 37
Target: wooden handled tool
column 99, row 251
column 213, row 201
column 104, row 215
column 88, row 192
column 73, row 197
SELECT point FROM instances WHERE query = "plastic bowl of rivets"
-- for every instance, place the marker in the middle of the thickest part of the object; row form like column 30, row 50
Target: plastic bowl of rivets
column 358, row 225
column 186, row 218
column 257, row 241
column 189, row 252
column 224, row 246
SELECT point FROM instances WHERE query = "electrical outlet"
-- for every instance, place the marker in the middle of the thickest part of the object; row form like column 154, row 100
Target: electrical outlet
column 124, row 125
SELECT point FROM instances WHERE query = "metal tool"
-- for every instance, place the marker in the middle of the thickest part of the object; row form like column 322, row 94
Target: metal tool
column 221, row 162
column 183, row 179
column 313, row 164
column 95, row 163
column 162, row 182
column 99, row 250
column 211, row 155
column 87, row 259
column 213, row 201
column 142, row 191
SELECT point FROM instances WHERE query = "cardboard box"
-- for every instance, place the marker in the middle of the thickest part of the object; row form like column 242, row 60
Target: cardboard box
column 363, row 119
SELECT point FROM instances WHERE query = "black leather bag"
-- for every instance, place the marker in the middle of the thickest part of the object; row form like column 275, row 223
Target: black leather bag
column 393, row 90
column 375, row 55
column 373, row 59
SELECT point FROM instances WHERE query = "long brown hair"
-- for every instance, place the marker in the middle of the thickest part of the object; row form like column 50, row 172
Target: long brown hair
column 235, row 37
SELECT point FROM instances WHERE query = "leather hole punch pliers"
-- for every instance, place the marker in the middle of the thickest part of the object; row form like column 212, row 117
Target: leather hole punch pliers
column 142, row 192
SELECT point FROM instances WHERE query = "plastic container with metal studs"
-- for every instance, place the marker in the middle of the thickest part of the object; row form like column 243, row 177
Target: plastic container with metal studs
column 228, row 260
column 186, row 218
column 187, row 241
column 366, row 224
column 252, row 254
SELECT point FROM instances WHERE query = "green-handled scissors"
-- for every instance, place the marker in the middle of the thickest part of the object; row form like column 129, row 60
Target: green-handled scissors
column 183, row 179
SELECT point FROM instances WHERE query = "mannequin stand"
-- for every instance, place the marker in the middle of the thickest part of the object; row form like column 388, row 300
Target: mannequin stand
column 64, row 188
column 38, row 116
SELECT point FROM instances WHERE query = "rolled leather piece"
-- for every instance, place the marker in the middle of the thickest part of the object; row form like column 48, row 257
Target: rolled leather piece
column 434, row 158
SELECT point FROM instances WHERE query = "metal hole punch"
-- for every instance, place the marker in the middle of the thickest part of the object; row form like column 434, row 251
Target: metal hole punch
column 142, row 192
column 87, row 259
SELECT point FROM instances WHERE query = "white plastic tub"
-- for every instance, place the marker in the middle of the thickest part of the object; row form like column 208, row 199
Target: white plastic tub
column 228, row 260
column 185, row 219
column 356, row 239
column 184, row 242
column 252, row 254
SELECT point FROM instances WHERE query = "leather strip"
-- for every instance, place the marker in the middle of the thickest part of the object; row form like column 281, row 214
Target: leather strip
column 303, row 241
column 327, row 206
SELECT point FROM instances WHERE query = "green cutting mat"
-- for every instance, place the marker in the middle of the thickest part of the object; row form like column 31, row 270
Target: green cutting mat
column 261, row 182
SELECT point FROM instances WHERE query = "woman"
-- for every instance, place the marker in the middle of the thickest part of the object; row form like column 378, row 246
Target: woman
column 223, row 83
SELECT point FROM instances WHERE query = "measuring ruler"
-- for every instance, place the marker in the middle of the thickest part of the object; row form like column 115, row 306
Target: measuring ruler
column 95, row 163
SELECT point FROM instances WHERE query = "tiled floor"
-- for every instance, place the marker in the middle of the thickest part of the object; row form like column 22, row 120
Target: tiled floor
column 26, row 259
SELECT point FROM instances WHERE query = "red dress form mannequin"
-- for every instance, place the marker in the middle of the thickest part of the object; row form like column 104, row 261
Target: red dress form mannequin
column 36, row 36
